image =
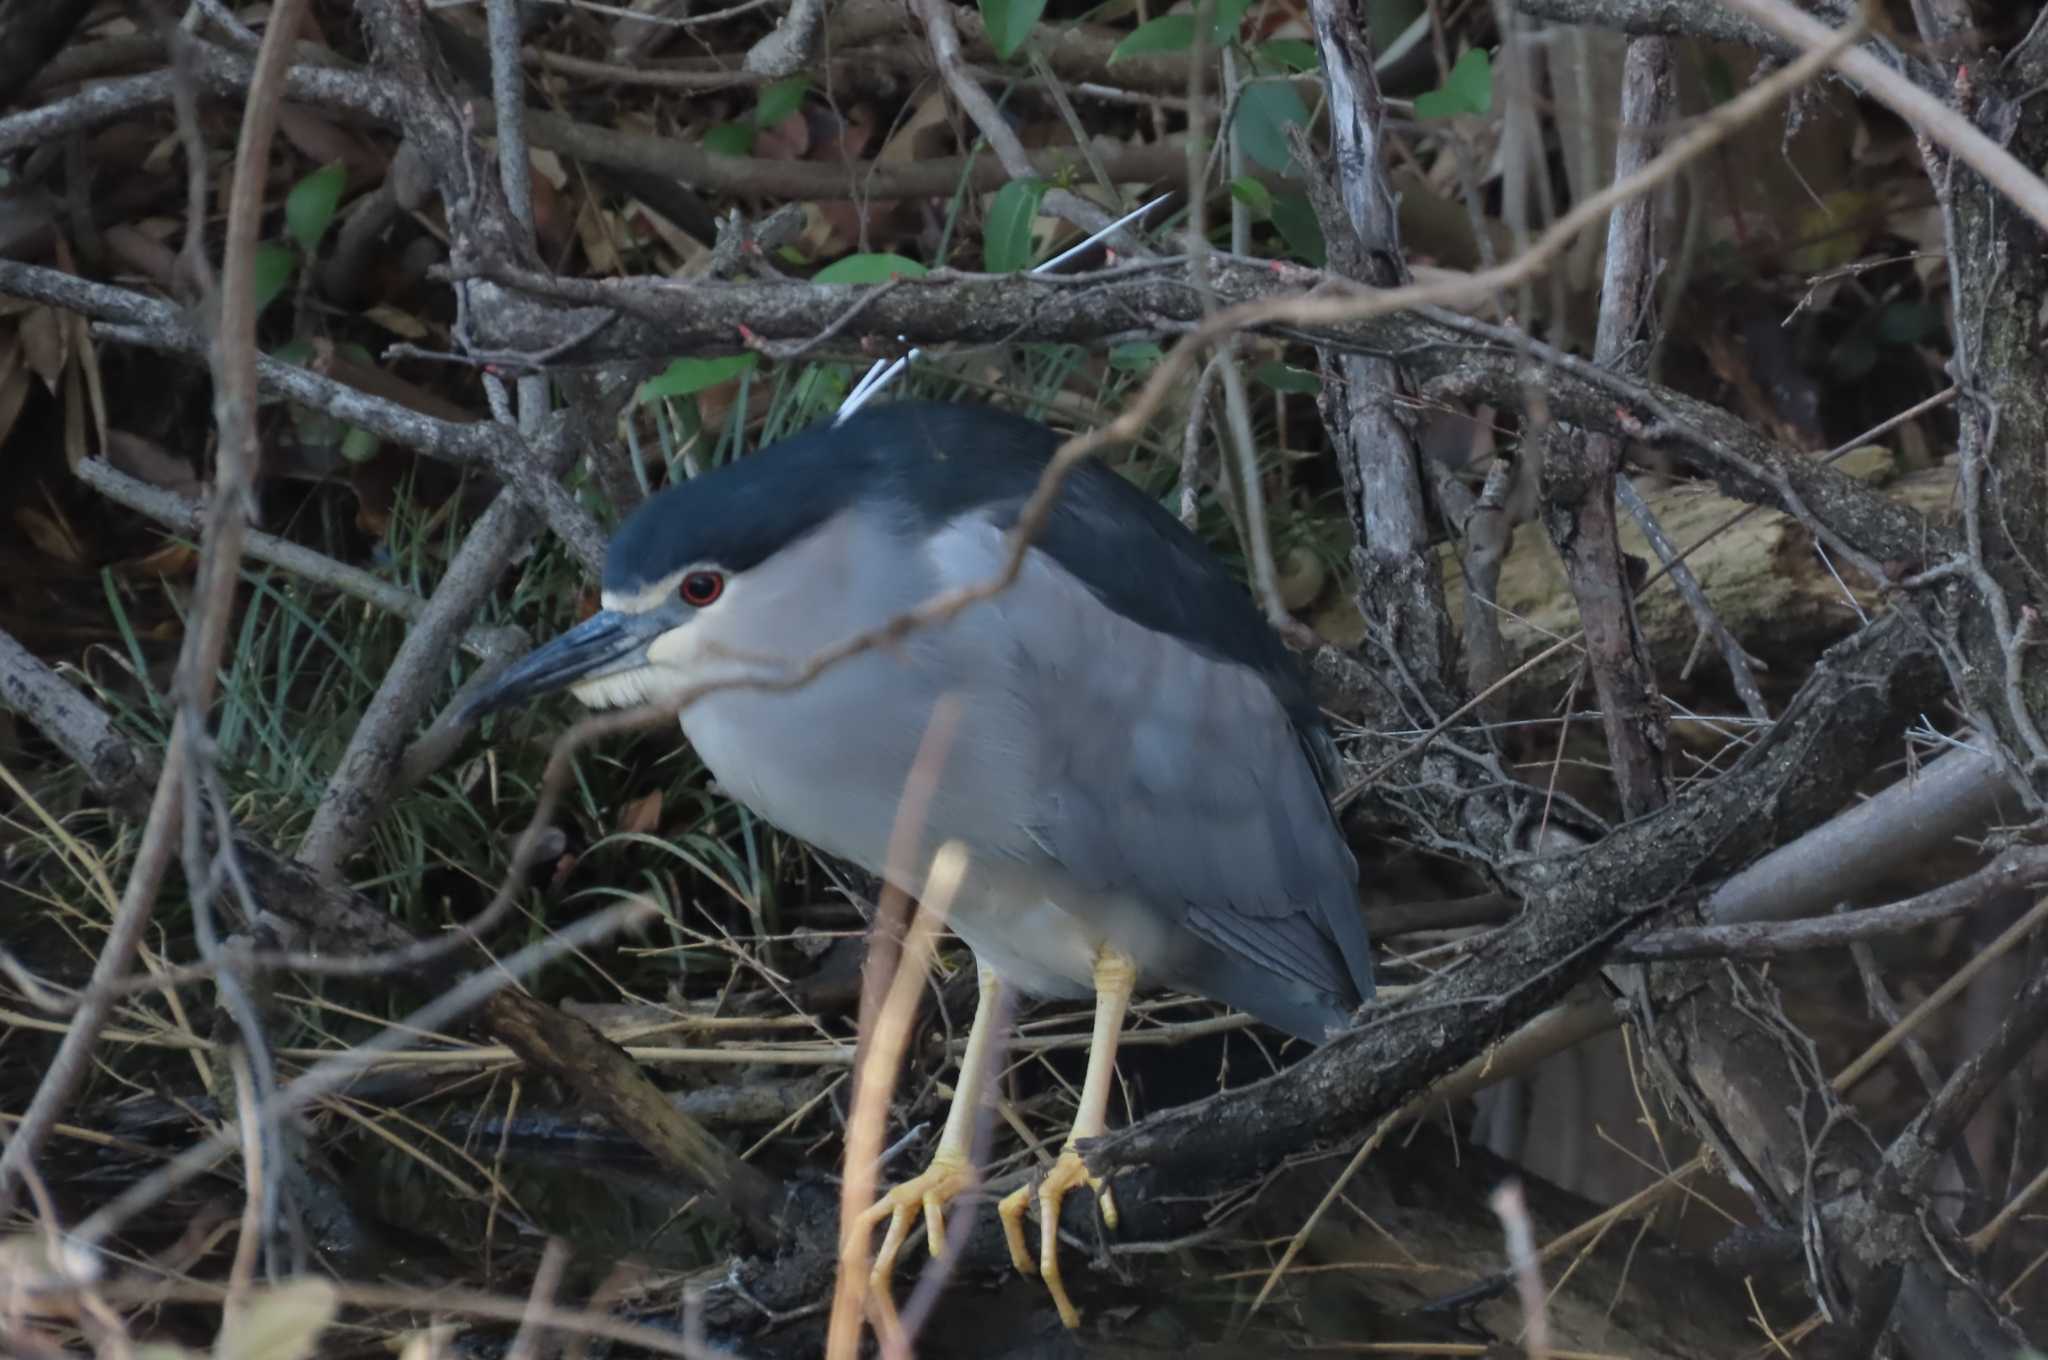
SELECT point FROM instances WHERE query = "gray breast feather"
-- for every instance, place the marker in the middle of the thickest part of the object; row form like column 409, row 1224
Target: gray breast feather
column 1171, row 777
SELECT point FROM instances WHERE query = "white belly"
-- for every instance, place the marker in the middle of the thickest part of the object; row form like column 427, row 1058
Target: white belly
column 1011, row 915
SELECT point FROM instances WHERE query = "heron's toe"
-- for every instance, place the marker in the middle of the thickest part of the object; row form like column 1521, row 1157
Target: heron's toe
column 1011, row 1209
column 928, row 1193
column 1066, row 1174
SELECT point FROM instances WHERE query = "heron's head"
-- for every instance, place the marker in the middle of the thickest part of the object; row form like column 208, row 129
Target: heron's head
column 691, row 564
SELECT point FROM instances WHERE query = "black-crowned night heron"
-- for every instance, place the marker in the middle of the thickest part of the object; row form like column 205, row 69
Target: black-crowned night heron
column 1136, row 772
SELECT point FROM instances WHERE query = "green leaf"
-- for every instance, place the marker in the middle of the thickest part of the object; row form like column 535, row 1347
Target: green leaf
column 822, row 387
column 315, row 429
column 1264, row 113
column 1253, row 195
column 1467, row 89
column 274, row 266
column 878, row 267
column 1296, row 218
column 1167, row 33
column 731, row 139
column 1010, row 22
column 1229, row 16
column 298, row 353
column 309, row 207
column 1288, row 54
column 780, row 100
column 1006, row 237
column 359, row 445
column 686, row 377
column 1285, row 378
column 1136, row 357
column 312, row 201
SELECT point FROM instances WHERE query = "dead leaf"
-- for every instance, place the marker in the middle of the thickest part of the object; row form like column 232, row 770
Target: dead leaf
column 173, row 561
column 548, row 165
column 400, row 323
column 551, row 213
column 788, row 140
column 642, row 815
column 835, row 138
column 149, row 461
column 323, row 142
column 644, row 222
column 330, row 360
column 13, row 396
column 163, row 155
column 598, row 251
column 1833, row 231
column 95, row 393
column 42, row 340
column 921, row 136
column 143, row 253
column 53, row 538
column 74, row 419
column 283, row 1323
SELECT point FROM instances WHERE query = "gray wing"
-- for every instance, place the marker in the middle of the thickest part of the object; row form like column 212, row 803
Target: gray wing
column 1179, row 780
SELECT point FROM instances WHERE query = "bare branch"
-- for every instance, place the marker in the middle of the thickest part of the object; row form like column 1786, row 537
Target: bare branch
column 2014, row 871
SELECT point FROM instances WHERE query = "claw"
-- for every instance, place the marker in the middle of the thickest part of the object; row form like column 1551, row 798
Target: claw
column 945, row 1179
column 1114, row 975
column 1068, row 1173
column 1011, row 1210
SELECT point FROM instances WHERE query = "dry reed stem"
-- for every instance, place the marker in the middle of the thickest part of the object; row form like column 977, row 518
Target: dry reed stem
column 874, row 1078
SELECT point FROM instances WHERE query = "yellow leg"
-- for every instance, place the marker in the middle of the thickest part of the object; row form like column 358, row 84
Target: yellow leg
column 952, row 1165
column 1115, row 975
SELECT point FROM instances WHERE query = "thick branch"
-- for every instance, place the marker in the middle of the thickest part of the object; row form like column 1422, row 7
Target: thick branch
column 574, row 1053
column 1661, row 19
column 1580, row 469
column 77, row 727
column 1400, row 589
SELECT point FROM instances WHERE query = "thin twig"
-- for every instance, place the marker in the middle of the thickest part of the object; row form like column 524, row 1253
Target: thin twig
column 186, row 516
column 1002, row 139
column 1941, row 995
column 220, row 568
column 888, row 994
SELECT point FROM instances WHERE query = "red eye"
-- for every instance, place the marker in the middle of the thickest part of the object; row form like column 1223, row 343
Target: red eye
column 700, row 588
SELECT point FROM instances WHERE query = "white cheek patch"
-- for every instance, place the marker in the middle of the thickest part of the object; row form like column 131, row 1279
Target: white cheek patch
column 662, row 677
column 675, row 649
column 641, row 600
column 623, row 690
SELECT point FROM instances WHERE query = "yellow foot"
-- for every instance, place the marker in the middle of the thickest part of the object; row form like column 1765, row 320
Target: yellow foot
column 944, row 1180
column 1069, row 1171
